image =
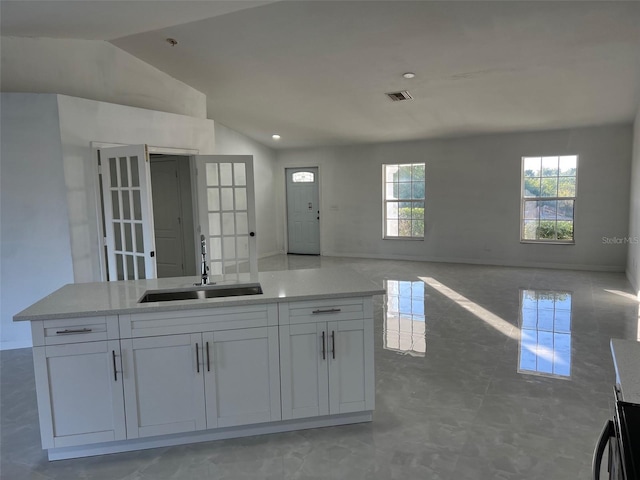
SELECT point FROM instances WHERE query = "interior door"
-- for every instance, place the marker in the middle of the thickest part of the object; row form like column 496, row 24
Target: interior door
column 128, row 213
column 227, row 214
column 167, row 217
column 303, row 211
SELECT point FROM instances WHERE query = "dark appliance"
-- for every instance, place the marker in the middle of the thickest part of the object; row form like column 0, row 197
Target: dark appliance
column 622, row 435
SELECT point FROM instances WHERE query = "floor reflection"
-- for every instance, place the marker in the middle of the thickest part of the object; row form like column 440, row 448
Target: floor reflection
column 545, row 340
column 404, row 327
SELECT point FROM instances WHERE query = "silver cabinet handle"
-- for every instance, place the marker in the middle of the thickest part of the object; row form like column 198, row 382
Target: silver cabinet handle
column 67, row 331
column 197, row 359
column 115, row 370
column 208, row 363
column 330, row 310
column 333, row 344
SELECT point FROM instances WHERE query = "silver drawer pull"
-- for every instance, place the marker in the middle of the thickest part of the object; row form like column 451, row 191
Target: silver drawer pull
column 330, row 310
column 67, row 331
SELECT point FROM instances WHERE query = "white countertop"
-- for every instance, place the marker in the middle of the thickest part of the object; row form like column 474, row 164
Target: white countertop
column 112, row 298
column 626, row 359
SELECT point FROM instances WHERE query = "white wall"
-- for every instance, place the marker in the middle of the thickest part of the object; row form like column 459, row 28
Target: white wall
column 95, row 70
column 35, row 250
column 633, row 258
column 473, row 197
column 85, row 121
column 230, row 142
column 49, row 223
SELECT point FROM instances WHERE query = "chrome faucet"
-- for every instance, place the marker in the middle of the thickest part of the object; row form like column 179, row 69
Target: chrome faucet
column 204, row 269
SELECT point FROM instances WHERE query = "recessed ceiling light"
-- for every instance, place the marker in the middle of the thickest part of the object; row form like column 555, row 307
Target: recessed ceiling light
column 409, row 75
column 275, row 136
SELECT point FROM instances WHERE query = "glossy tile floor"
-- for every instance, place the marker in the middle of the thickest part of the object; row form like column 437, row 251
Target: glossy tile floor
column 481, row 373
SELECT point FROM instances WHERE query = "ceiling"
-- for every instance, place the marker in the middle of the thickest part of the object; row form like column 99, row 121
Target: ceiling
column 316, row 72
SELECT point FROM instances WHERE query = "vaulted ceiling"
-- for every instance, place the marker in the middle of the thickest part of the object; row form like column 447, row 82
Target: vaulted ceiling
column 316, row 72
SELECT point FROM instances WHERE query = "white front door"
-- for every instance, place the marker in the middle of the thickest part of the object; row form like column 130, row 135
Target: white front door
column 303, row 211
column 227, row 214
column 128, row 212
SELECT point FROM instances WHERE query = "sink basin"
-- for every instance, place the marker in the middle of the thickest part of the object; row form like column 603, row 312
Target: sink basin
column 200, row 293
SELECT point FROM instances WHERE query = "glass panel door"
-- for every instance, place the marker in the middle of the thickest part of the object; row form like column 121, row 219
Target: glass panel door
column 127, row 213
column 227, row 215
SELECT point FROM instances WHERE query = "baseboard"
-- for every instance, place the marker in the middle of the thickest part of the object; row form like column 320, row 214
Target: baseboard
column 208, row 435
column 474, row 261
column 271, row 254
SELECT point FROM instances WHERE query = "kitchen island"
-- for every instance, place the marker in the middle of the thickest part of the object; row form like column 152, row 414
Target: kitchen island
column 114, row 374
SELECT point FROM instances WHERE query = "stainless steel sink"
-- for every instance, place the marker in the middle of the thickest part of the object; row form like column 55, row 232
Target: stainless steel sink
column 200, row 293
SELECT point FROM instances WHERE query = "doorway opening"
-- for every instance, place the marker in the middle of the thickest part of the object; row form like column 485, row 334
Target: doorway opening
column 154, row 205
column 303, row 211
column 173, row 215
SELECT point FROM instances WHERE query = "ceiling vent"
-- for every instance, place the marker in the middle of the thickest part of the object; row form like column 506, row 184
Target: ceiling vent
column 399, row 96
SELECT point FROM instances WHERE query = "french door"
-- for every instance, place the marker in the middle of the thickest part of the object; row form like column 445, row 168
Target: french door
column 226, row 214
column 128, row 215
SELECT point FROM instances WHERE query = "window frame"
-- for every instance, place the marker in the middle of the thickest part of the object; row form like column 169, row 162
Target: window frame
column 385, row 201
column 523, row 200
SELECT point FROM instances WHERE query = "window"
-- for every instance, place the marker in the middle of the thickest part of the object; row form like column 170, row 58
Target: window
column 303, row 177
column 548, row 199
column 404, row 189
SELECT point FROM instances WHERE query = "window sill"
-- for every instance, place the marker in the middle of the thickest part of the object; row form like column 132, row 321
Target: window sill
column 404, row 238
column 549, row 242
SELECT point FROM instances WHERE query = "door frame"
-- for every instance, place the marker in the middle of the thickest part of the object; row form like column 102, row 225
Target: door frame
column 284, row 203
column 184, row 152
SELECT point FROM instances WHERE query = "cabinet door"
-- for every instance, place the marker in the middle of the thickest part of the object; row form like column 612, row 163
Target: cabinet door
column 163, row 384
column 303, row 363
column 80, row 396
column 242, row 379
column 350, row 357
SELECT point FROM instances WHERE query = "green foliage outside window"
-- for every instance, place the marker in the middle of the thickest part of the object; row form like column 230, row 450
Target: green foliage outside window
column 404, row 200
column 546, row 230
column 548, row 195
column 411, row 222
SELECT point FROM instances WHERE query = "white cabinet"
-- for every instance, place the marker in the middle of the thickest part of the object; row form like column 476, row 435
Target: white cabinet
column 78, row 381
column 350, row 366
column 201, row 380
column 163, row 384
column 242, row 376
column 117, row 383
column 80, row 398
column 326, row 357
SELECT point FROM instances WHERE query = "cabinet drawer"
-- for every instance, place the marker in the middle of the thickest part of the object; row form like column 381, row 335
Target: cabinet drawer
column 74, row 330
column 323, row 310
column 203, row 320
